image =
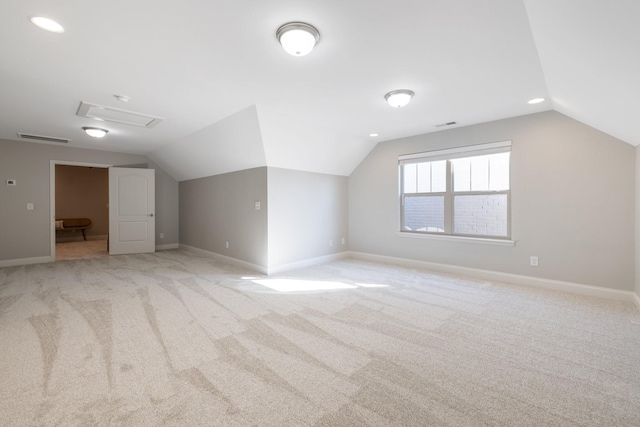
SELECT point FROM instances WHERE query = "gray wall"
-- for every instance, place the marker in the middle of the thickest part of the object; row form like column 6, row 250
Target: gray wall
column 220, row 209
column 301, row 212
column 572, row 202
column 306, row 211
column 637, row 182
column 82, row 192
column 26, row 234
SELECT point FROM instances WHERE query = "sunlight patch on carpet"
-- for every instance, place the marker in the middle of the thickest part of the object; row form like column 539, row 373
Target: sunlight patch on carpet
column 299, row 285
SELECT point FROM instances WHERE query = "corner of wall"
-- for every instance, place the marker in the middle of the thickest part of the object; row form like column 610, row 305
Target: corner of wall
column 306, row 263
column 223, row 258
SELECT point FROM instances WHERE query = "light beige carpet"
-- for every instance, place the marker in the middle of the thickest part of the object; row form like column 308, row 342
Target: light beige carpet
column 176, row 339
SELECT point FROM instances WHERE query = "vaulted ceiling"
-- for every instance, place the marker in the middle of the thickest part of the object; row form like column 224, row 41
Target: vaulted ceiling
column 231, row 98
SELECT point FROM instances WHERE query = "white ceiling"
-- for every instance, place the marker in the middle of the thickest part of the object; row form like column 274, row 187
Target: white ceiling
column 231, row 98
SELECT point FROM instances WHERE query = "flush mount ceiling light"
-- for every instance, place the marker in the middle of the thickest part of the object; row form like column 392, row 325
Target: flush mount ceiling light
column 46, row 24
column 95, row 132
column 399, row 98
column 298, row 38
column 536, row 101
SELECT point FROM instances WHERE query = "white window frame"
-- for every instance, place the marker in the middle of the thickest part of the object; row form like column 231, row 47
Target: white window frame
column 449, row 194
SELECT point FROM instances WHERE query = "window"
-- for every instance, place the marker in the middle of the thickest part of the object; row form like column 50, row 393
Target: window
column 461, row 192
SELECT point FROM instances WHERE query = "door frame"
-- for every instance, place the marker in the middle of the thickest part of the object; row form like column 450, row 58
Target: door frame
column 52, row 195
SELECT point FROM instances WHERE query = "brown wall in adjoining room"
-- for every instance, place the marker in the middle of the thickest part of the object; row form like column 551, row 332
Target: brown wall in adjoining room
column 83, row 192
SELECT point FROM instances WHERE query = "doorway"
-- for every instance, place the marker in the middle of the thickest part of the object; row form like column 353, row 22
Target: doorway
column 79, row 191
column 129, row 203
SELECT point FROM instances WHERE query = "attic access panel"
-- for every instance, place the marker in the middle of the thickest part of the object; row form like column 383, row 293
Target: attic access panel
column 116, row 115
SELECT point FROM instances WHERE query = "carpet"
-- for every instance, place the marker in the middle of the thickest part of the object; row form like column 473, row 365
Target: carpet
column 175, row 339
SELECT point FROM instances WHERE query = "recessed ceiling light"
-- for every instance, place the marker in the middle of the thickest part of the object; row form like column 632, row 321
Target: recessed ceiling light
column 536, row 100
column 298, row 38
column 399, row 98
column 373, row 135
column 46, row 24
column 95, row 132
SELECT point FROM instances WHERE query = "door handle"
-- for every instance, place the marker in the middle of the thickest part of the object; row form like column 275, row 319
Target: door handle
column 150, row 214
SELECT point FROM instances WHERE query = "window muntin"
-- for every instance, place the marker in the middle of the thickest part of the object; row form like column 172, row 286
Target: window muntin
column 425, row 177
column 481, row 173
column 462, row 192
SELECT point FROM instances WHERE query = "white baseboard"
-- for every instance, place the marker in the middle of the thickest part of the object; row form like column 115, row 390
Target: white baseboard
column 25, row 261
column 167, row 246
column 223, row 258
column 306, row 263
column 267, row 270
column 636, row 300
column 516, row 279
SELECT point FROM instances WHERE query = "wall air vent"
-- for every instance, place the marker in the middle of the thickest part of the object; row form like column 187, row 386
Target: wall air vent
column 115, row 115
column 446, row 124
column 43, row 138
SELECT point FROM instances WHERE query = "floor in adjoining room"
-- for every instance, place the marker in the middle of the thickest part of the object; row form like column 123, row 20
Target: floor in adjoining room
column 176, row 339
column 81, row 250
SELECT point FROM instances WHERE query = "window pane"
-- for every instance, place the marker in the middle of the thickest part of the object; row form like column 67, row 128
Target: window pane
column 409, row 172
column 424, row 177
column 482, row 215
column 499, row 172
column 424, row 213
column 480, row 173
column 461, row 170
column 439, row 176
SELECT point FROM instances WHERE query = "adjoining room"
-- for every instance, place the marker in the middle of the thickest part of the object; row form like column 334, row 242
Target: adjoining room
column 82, row 212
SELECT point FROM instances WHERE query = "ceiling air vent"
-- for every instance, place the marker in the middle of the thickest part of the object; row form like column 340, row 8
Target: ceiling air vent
column 446, row 124
column 115, row 115
column 43, row 138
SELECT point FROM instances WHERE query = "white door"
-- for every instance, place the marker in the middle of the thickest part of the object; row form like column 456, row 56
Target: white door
column 132, row 224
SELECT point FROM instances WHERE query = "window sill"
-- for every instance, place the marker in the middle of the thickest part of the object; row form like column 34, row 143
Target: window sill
column 480, row 240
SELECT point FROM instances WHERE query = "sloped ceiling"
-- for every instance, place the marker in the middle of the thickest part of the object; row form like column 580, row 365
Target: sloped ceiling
column 232, row 144
column 231, row 98
column 590, row 54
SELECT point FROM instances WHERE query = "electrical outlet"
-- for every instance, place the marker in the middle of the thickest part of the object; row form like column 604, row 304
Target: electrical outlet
column 29, row 206
column 226, row 245
column 162, row 235
column 330, row 242
column 343, row 241
column 533, row 261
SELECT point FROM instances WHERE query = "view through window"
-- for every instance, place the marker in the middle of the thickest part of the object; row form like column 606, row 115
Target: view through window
column 462, row 191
